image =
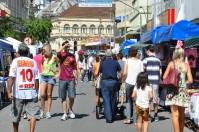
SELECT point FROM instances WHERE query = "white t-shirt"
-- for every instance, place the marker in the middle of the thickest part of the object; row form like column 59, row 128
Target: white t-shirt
column 135, row 66
column 143, row 96
column 81, row 64
column 25, row 72
column 90, row 61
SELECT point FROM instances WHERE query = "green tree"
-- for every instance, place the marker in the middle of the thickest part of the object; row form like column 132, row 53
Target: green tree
column 38, row 29
column 8, row 27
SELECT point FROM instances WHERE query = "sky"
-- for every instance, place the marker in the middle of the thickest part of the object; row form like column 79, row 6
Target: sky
column 96, row 1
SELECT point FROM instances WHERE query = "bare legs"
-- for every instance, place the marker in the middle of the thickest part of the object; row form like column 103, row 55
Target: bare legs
column 67, row 105
column 139, row 125
column 49, row 92
column 177, row 114
column 71, row 102
column 32, row 123
column 49, row 88
column 15, row 127
column 97, row 97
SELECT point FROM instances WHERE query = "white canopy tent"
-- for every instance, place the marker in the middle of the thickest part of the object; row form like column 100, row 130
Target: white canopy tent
column 16, row 43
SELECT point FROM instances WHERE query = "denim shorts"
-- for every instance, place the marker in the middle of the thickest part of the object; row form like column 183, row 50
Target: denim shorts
column 67, row 87
column 31, row 106
column 48, row 80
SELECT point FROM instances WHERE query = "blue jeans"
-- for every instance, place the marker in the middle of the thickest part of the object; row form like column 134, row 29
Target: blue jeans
column 48, row 80
column 90, row 74
column 84, row 74
column 109, row 94
column 129, row 101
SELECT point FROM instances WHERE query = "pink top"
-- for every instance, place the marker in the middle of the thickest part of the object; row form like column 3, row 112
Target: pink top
column 38, row 59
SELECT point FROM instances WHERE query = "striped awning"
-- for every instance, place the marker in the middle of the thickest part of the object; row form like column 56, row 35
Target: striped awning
column 192, row 42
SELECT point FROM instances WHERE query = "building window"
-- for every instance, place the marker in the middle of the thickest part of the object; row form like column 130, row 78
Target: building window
column 92, row 29
column 66, row 28
column 101, row 29
column 109, row 29
column 84, row 29
column 75, row 29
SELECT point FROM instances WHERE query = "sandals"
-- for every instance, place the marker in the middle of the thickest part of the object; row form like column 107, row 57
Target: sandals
column 127, row 121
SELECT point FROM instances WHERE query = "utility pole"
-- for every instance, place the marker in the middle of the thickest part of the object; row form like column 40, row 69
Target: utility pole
column 154, row 14
column 138, row 11
column 100, row 33
column 28, row 7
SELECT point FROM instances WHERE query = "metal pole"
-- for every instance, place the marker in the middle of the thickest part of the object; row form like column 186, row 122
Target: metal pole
column 140, row 25
column 28, row 15
column 138, row 13
column 154, row 14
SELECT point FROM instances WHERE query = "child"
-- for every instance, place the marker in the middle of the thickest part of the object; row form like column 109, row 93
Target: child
column 142, row 94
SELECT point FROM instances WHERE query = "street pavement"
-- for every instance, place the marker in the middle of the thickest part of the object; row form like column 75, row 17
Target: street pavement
column 85, row 122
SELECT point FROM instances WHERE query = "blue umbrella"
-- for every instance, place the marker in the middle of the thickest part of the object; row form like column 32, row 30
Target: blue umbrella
column 127, row 44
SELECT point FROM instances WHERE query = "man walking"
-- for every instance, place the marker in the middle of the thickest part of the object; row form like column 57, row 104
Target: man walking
column 22, row 88
column 109, row 84
column 152, row 66
column 67, row 79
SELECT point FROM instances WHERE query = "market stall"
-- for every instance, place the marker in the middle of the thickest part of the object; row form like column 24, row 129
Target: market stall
column 6, row 51
column 164, row 38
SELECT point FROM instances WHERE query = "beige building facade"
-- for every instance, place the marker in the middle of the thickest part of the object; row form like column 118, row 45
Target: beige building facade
column 85, row 26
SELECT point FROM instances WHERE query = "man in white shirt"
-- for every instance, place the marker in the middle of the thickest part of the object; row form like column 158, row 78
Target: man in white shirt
column 22, row 88
column 90, row 67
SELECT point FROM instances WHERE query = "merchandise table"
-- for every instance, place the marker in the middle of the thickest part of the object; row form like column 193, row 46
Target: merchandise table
column 193, row 111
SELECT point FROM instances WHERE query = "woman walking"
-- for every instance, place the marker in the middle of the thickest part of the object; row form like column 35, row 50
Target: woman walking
column 97, row 79
column 179, row 101
column 132, row 68
column 48, row 78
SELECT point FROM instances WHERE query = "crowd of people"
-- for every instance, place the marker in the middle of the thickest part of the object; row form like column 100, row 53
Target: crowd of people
column 132, row 81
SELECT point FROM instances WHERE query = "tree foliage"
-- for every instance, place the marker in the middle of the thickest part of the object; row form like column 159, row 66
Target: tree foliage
column 38, row 29
column 8, row 27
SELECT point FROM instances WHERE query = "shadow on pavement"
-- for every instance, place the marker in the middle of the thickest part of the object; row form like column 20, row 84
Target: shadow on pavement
column 161, row 118
column 81, row 94
column 55, row 98
column 57, row 114
column 79, row 116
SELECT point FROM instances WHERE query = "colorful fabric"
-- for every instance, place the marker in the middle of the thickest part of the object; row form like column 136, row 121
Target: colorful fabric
column 153, row 65
column 38, row 59
column 181, row 99
column 68, row 64
column 96, row 68
column 25, row 71
column 49, row 67
column 142, row 112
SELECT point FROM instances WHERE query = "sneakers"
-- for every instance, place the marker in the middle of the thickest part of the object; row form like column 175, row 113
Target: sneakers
column 71, row 114
column 48, row 116
column 25, row 116
column 64, row 117
column 156, row 118
column 42, row 115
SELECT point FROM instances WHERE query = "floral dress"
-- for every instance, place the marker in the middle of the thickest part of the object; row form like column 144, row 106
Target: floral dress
column 182, row 98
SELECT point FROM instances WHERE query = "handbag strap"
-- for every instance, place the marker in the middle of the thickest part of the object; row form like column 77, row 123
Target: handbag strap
column 174, row 66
